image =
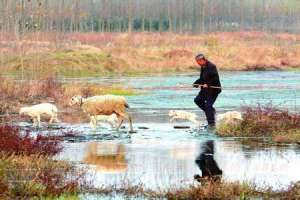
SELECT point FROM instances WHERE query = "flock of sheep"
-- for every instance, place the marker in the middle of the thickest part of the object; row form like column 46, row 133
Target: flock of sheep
column 110, row 109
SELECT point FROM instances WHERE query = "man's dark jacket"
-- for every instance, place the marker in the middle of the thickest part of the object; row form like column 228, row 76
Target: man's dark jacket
column 209, row 75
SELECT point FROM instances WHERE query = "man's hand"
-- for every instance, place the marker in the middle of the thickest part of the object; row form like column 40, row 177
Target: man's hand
column 199, row 86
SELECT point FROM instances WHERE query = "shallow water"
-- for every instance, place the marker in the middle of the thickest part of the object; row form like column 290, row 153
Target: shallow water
column 162, row 157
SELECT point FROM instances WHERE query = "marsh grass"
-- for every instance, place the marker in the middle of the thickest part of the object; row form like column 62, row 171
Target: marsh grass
column 27, row 170
column 36, row 176
column 14, row 142
column 15, row 93
column 92, row 54
column 265, row 121
column 26, row 91
column 208, row 190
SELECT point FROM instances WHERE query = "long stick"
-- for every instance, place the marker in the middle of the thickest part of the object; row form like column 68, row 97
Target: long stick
column 180, row 87
column 201, row 85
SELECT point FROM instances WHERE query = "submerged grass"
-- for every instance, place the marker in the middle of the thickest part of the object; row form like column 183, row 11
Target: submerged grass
column 265, row 121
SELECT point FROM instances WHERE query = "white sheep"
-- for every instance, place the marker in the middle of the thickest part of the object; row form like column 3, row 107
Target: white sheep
column 112, row 120
column 36, row 111
column 180, row 114
column 103, row 105
column 229, row 117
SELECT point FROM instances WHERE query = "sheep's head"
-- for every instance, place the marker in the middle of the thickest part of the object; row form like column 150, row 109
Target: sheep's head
column 23, row 110
column 220, row 117
column 172, row 113
column 77, row 99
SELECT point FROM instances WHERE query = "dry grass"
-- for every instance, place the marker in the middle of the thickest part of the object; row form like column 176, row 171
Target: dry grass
column 209, row 190
column 89, row 54
column 15, row 94
column 265, row 121
column 28, row 171
column 290, row 136
column 36, row 176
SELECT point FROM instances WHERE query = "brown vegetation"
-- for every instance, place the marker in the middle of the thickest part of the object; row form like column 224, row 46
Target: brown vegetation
column 209, row 190
column 94, row 54
column 27, row 169
column 16, row 93
column 265, row 121
column 13, row 142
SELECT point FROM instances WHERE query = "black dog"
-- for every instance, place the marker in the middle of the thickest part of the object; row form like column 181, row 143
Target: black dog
column 207, row 164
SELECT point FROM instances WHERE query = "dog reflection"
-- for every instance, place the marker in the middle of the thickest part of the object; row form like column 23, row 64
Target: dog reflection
column 207, row 164
column 106, row 156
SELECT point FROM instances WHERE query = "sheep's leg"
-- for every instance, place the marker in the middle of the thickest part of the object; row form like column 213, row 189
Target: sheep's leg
column 93, row 122
column 195, row 121
column 111, row 124
column 130, row 122
column 121, row 119
column 127, row 116
column 38, row 118
column 173, row 118
column 56, row 118
column 51, row 119
column 34, row 122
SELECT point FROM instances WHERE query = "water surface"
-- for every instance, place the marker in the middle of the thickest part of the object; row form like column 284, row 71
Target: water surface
column 162, row 157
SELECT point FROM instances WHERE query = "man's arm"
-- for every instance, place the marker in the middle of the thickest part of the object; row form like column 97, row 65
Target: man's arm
column 197, row 83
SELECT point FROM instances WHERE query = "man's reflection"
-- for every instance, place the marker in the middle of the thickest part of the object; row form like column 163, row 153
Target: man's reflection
column 207, row 164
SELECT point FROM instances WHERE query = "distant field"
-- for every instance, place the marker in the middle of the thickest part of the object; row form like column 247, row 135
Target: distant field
column 92, row 54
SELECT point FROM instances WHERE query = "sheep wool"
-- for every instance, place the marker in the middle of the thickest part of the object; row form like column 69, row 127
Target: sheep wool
column 36, row 111
column 105, row 105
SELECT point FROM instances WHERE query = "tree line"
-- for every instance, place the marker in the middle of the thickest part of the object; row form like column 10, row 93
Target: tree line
column 195, row 16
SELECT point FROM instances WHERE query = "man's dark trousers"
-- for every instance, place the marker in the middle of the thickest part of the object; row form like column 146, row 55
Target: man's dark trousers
column 205, row 101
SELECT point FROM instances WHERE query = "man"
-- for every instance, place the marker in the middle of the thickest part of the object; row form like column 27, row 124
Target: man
column 210, row 85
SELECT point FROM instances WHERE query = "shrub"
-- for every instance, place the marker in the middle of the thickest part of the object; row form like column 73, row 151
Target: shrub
column 263, row 120
column 49, row 87
column 37, row 176
column 12, row 141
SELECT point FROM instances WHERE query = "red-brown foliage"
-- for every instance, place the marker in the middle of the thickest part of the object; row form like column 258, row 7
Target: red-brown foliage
column 48, row 87
column 264, row 119
column 13, row 141
column 56, row 183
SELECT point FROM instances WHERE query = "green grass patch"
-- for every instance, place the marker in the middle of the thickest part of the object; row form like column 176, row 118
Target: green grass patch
column 66, row 63
column 94, row 89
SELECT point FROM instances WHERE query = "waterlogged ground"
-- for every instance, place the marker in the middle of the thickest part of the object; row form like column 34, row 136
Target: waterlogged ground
column 161, row 157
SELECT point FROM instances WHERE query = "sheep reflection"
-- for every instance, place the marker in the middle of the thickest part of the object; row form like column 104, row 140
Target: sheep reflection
column 106, row 156
column 207, row 164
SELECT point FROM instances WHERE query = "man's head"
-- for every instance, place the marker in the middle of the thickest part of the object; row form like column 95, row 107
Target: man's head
column 200, row 59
